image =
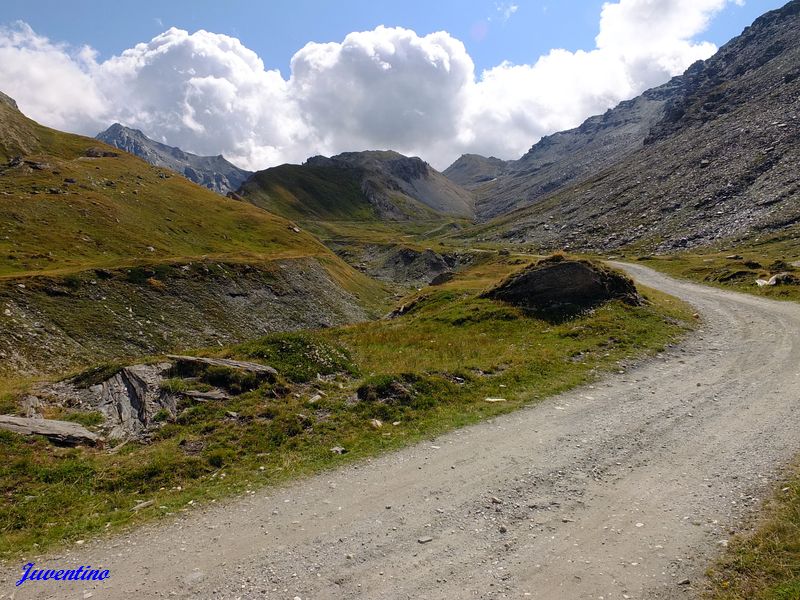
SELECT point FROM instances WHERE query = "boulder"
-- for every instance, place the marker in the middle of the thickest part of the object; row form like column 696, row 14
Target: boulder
column 59, row 432
column 564, row 285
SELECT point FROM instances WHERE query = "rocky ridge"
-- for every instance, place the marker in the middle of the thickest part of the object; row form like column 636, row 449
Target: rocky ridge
column 212, row 172
column 133, row 401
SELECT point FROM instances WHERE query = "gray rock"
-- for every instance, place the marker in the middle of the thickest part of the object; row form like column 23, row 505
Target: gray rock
column 204, row 396
column 60, row 432
column 142, row 505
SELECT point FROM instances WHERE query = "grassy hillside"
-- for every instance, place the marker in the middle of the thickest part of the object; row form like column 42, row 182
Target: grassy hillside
column 93, row 235
column 62, row 210
column 307, row 193
column 359, row 196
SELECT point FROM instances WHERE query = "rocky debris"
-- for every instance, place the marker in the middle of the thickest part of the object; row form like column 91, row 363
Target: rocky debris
column 403, row 265
column 59, row 432
column 558, row 283
column 200, row 304
column 212, row 172
column 96, row 152
column 414, row 266
column 247, row 367
column 442, row 278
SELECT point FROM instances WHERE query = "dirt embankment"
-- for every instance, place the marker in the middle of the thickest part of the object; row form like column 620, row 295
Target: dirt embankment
column 51, row 324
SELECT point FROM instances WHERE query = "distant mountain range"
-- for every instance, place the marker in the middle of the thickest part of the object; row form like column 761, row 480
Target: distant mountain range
column 710, row 155
column 213, row 172
column 359, row 186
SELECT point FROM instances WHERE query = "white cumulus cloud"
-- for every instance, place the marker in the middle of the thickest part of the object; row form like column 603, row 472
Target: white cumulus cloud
column 385, row 88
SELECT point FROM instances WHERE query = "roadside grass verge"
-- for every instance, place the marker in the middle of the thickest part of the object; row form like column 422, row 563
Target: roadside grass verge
column 361, row 389
column 765, row 565
column 753, row 260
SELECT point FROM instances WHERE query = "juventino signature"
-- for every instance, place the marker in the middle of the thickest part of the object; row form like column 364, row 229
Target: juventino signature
column 80, row 574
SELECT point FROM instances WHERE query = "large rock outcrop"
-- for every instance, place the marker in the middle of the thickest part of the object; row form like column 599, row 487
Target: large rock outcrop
column 559, row 284
column 134, row 400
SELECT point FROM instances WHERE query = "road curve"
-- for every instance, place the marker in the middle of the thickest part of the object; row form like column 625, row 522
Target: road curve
column 623, row 489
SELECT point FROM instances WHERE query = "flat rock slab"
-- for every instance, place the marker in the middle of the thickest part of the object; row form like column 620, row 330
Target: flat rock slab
column 224, row 362
column 210, row 395
column 60, row 432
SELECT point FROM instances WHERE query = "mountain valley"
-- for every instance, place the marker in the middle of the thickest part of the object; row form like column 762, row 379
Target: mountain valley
column 563, row 375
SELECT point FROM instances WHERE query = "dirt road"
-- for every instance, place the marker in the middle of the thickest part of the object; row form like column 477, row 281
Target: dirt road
column 623, row 489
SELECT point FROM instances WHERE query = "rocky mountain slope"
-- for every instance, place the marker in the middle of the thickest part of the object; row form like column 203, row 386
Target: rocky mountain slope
column 471, row 171
column 560, row 160
column 103, row 255
column 212, row 172
column 720, row 161
column 359, row 186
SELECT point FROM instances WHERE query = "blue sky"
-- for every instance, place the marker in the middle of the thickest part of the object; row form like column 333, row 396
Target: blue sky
column 428, row 78
column 276, row 29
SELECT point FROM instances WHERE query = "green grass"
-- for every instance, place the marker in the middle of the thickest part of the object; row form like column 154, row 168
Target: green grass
column 306, row 193
column 68, row 221
column 118, row 211
column 428, row 371
column 760, row 260
column 765, row 565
